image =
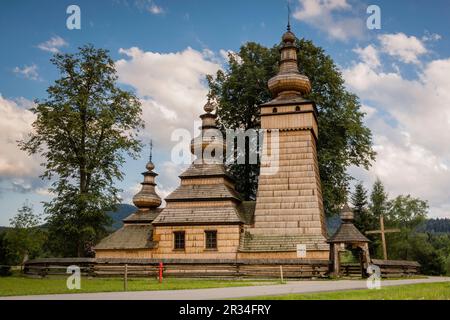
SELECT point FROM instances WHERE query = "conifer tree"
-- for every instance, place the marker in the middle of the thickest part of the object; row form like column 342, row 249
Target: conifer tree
column 364, row 220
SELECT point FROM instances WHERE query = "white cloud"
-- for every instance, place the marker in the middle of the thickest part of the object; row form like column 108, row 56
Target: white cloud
column 53, row 44
column 15, row 124
column 29, row 72
column 369, row 55
column 44, row 192
column 172, row 89
column 410, row 124
column 144, row 5
column 407, row 48
column 155, row 9
column 225, row 55
column 171, row 86
column 334, row 17
column 431, row 36
column 369, row 111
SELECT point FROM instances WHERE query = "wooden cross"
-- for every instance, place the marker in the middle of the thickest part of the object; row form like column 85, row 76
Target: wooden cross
column 383, row 231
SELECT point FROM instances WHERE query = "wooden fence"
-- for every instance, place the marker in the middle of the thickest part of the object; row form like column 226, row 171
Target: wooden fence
column 297, row 268
column 186, row 268
column 397, row 268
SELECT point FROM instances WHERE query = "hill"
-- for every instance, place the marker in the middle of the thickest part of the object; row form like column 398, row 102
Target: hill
column 3, row 229
column 333, row 224
column 435, row 226
column 430, row 225
column 122, row 211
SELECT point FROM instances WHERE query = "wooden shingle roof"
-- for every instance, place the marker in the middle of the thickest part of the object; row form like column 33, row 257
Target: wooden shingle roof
column 347, row 233
column 143, row 216
column 132, row 236
column 202, row 170
column 199, row 215
column 202, row 192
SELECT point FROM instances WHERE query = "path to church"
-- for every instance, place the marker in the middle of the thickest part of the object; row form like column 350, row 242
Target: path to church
column 234, row 292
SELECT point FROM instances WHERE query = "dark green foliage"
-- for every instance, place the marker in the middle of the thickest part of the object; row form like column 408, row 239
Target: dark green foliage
column 83, row 131
column 364, row 219
column 405, row 213
column 5, row 270
column 408, row 214
column 240, row 90
column 343, row 138
column 3, row 254
column 379, row 202
column 25, row 239
column 435, row 226
column 3, row 229
column 423, row 251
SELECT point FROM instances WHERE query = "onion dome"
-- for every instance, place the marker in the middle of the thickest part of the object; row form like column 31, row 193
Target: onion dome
column 288, row 36
column 346, row 214
column 147, row 198
column 210, row 143
column 289, row 81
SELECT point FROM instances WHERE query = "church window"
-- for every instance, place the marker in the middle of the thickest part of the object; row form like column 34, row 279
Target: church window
column 211, row 239
column 274, row 110
column 179, row 242
column 297, row 108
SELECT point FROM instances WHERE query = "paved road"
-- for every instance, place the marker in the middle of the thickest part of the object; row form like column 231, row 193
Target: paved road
column 308, row 286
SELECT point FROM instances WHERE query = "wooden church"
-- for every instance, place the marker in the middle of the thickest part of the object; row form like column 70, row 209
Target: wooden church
column 205, row 217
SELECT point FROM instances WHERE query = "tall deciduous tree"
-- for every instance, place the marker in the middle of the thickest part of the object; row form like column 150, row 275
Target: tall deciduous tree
column 239, row 91
column 343, row 138
column 83, row 131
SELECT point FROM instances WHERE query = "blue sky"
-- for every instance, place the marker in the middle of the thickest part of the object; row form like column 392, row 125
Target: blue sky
column 164, row 49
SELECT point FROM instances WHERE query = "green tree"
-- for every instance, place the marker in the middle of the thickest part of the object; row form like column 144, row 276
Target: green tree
column 83, row 131
column 3, row 253
column 364, row 219
column 239, row 91
column 379, row 205
column 405, row 213
column 343, row 138
column 379, row 202
column 421, row 250
column 25, row 239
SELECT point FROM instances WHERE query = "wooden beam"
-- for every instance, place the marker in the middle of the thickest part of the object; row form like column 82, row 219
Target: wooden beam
column 383, row 232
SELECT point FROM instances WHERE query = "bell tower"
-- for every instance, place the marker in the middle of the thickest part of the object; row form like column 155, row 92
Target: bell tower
column 289, row 209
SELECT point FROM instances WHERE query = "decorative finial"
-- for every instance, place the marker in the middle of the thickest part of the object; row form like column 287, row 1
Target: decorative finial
column 289, row 16
column 151, row 150
column 147, row 198
column 209, row 107
column 347, row 214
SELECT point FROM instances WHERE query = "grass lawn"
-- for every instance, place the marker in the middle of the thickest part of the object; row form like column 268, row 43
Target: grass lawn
column 17, row 285
column 423, row 291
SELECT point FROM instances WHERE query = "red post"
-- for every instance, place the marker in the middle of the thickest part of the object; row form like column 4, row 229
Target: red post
column 160, row 272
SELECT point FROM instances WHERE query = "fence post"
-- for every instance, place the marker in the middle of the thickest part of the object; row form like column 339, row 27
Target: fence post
column 160, row 272
column 281, row 274
column 125, row 278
